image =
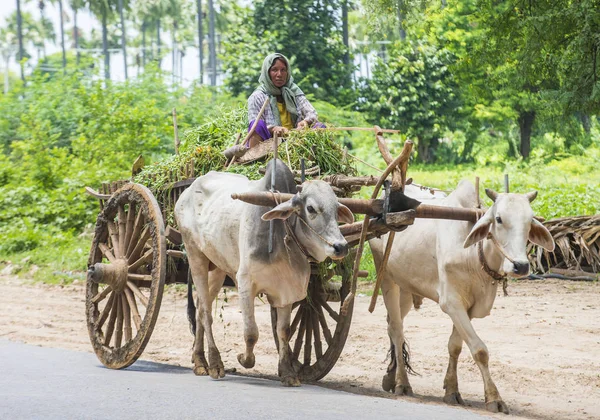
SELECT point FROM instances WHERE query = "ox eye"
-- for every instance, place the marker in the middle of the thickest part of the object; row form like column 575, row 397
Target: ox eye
column 499, row 219
column 311, row 210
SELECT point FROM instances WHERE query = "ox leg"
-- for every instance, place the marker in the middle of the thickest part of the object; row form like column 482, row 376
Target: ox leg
column 247, row 359
column 216, row 278
column 451, row 380
column 288, row 375
column 462, row 322
column 398, row 304
column 199, row 268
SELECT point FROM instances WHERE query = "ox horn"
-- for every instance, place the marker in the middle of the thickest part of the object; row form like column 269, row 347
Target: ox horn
column 531, row 195
column 493, row 195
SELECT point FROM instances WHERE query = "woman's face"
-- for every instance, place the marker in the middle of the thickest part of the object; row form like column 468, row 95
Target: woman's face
column 278, row 73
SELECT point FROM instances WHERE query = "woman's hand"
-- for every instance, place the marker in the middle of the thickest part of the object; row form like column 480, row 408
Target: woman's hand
column 280, row 131
column 302, row 125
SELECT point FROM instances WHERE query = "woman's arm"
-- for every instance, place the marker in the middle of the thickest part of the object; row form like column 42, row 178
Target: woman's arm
column 255, row 103
column 306, row 112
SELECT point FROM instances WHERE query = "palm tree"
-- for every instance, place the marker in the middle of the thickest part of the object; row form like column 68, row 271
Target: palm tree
column 20, row 38
column 105, row 10
column 211, row 43
column 152, row 12
column 62, row 36
column 123, row 45
column 200, row 39
column 76, row 5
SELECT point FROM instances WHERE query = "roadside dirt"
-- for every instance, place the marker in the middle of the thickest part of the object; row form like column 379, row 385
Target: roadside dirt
column 544, row 343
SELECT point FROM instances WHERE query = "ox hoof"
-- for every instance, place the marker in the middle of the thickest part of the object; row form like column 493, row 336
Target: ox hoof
column 200, row 371
column 496, row 407
column 290, row 381
column 388, row 383
column 404, row 390
column 454, row 399
column 217, row 372
column 247, row 362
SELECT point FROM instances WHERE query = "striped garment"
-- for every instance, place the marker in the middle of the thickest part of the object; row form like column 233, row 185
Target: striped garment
column 257, row 99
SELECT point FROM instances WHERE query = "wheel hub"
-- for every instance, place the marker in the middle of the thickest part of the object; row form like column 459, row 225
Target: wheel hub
column 114, row 274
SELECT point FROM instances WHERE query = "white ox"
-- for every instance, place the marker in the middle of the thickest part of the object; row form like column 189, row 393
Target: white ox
column 223, row 236
column 435, row 259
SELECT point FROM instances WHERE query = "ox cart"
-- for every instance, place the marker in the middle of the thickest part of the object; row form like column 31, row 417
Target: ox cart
column 135, row 252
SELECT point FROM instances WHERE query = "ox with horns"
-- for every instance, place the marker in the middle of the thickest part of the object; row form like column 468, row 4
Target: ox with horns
column 436, row 260
column 223, row 236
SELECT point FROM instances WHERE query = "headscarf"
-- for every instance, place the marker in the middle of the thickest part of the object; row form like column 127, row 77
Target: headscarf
column 289, row 91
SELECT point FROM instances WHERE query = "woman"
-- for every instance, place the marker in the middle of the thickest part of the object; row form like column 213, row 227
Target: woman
column 288, row 107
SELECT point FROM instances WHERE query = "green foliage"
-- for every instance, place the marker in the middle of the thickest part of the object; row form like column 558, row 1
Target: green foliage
column 415, row 92
column 202, row 149
column 244, row 53
column 63, row 133
column 305, row 32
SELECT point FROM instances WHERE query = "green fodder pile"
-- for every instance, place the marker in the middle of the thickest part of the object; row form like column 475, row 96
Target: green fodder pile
column 202, row 148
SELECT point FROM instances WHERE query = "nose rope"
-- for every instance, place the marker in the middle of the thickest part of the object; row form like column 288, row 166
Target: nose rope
column 500, row 247
column 289, row 232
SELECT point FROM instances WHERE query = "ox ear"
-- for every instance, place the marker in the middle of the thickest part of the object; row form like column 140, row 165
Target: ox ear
column 283, row 210
column 344, row 214
column 539, row 235
column 480, row 230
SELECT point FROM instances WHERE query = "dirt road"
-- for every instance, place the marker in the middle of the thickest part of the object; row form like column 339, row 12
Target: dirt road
column 544, row 343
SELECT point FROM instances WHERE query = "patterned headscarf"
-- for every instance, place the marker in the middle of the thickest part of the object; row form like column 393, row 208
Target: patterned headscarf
column 289, row 91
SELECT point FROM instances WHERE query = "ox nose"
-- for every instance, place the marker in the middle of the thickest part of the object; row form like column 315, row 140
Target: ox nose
column 340, row 249
column 521, row 268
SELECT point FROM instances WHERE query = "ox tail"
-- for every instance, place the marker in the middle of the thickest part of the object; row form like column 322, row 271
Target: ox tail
column 191, row 306
column 405, row 357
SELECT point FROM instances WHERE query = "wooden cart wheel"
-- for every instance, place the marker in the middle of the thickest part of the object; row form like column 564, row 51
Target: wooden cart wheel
column 318, row 328
column 126, row 275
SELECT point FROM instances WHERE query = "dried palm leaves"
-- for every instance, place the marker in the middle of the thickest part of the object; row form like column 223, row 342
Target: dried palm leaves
column 577, row 245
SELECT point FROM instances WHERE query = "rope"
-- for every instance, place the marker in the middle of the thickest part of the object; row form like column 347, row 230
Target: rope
column 289, row 231
column 492, row 273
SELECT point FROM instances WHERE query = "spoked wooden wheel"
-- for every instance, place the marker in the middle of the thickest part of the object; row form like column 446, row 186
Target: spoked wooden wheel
column 126, row 276
column 318, row 329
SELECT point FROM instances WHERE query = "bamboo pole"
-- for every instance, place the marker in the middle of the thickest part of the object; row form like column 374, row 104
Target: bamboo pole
column 176, row 132
column 383, row 130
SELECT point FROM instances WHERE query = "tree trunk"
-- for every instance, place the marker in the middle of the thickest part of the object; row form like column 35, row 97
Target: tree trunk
column 526, row 119
column 400, row 19
column 424, row 150
column 76, row 36
column 158, row 42
column 123, row 43
column 586, row 122
column 211, row 43
column 173, row 49
column 345, row 31
column 20, row 36
column 105, row 45
column 144, row 44
column 6, row 85
column 62, row 37
column 200, row 40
